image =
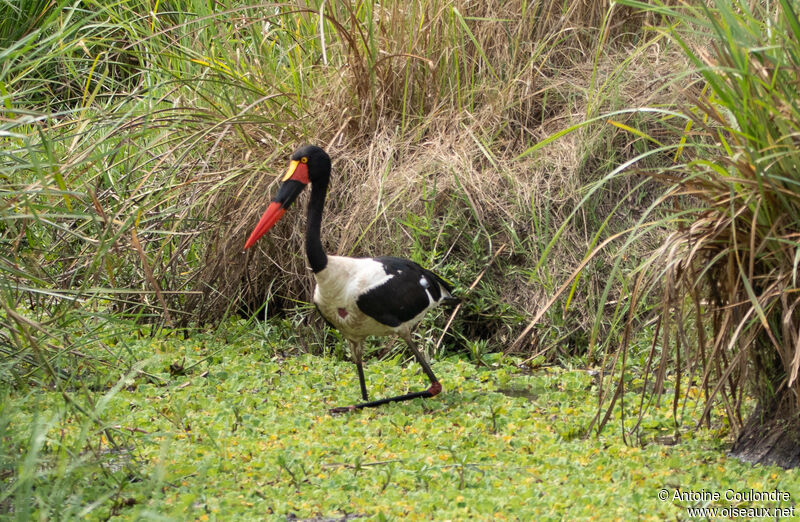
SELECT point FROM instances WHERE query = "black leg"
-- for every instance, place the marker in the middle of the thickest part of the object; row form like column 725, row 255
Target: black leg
column 422, row 361
column 360, row 368
column 434, row 389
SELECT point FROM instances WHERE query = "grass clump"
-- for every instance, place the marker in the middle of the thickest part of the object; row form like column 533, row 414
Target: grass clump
column 723, row 282
column 135, row 187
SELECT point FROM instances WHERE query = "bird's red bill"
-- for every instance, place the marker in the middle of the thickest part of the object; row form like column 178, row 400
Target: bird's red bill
column 294, row 181
column 274, row 212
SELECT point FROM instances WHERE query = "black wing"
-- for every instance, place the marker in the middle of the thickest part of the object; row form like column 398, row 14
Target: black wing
column 404, row 295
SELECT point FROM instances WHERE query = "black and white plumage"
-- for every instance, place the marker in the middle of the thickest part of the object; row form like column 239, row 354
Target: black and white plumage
column 360, row 297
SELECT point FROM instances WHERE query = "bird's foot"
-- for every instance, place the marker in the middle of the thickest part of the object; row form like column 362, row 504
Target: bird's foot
column 433, row 390
column 341, row 409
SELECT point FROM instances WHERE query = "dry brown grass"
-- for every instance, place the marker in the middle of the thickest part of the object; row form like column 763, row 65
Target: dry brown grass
column 425, row 108
column 382, row 175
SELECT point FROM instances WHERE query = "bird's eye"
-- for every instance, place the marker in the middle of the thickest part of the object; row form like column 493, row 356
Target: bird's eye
column 303, row 160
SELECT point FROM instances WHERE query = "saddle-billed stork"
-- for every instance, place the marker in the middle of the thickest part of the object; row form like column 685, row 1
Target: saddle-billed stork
column 358, row 296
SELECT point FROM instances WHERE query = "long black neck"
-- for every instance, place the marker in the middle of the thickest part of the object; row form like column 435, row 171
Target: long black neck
column 314, row 251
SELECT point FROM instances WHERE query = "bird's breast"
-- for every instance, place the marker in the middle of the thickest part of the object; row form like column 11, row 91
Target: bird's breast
column 338, row 288
column 344, row 315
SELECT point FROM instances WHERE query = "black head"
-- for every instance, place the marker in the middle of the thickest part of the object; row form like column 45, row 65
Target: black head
column 317, row 161
column 309, row 164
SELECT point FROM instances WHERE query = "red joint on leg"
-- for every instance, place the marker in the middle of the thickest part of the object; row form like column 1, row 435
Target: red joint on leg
column 435, row 389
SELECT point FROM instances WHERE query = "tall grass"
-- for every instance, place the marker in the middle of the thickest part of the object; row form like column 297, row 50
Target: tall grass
column 723, row 284
column 135, row 130
column 138, row 137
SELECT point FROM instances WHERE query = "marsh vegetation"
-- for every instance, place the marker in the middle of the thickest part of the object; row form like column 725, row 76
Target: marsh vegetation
column 611, row 187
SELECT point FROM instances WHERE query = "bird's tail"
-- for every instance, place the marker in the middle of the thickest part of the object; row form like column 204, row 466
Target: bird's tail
column 449, row 301
column 446, row 288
